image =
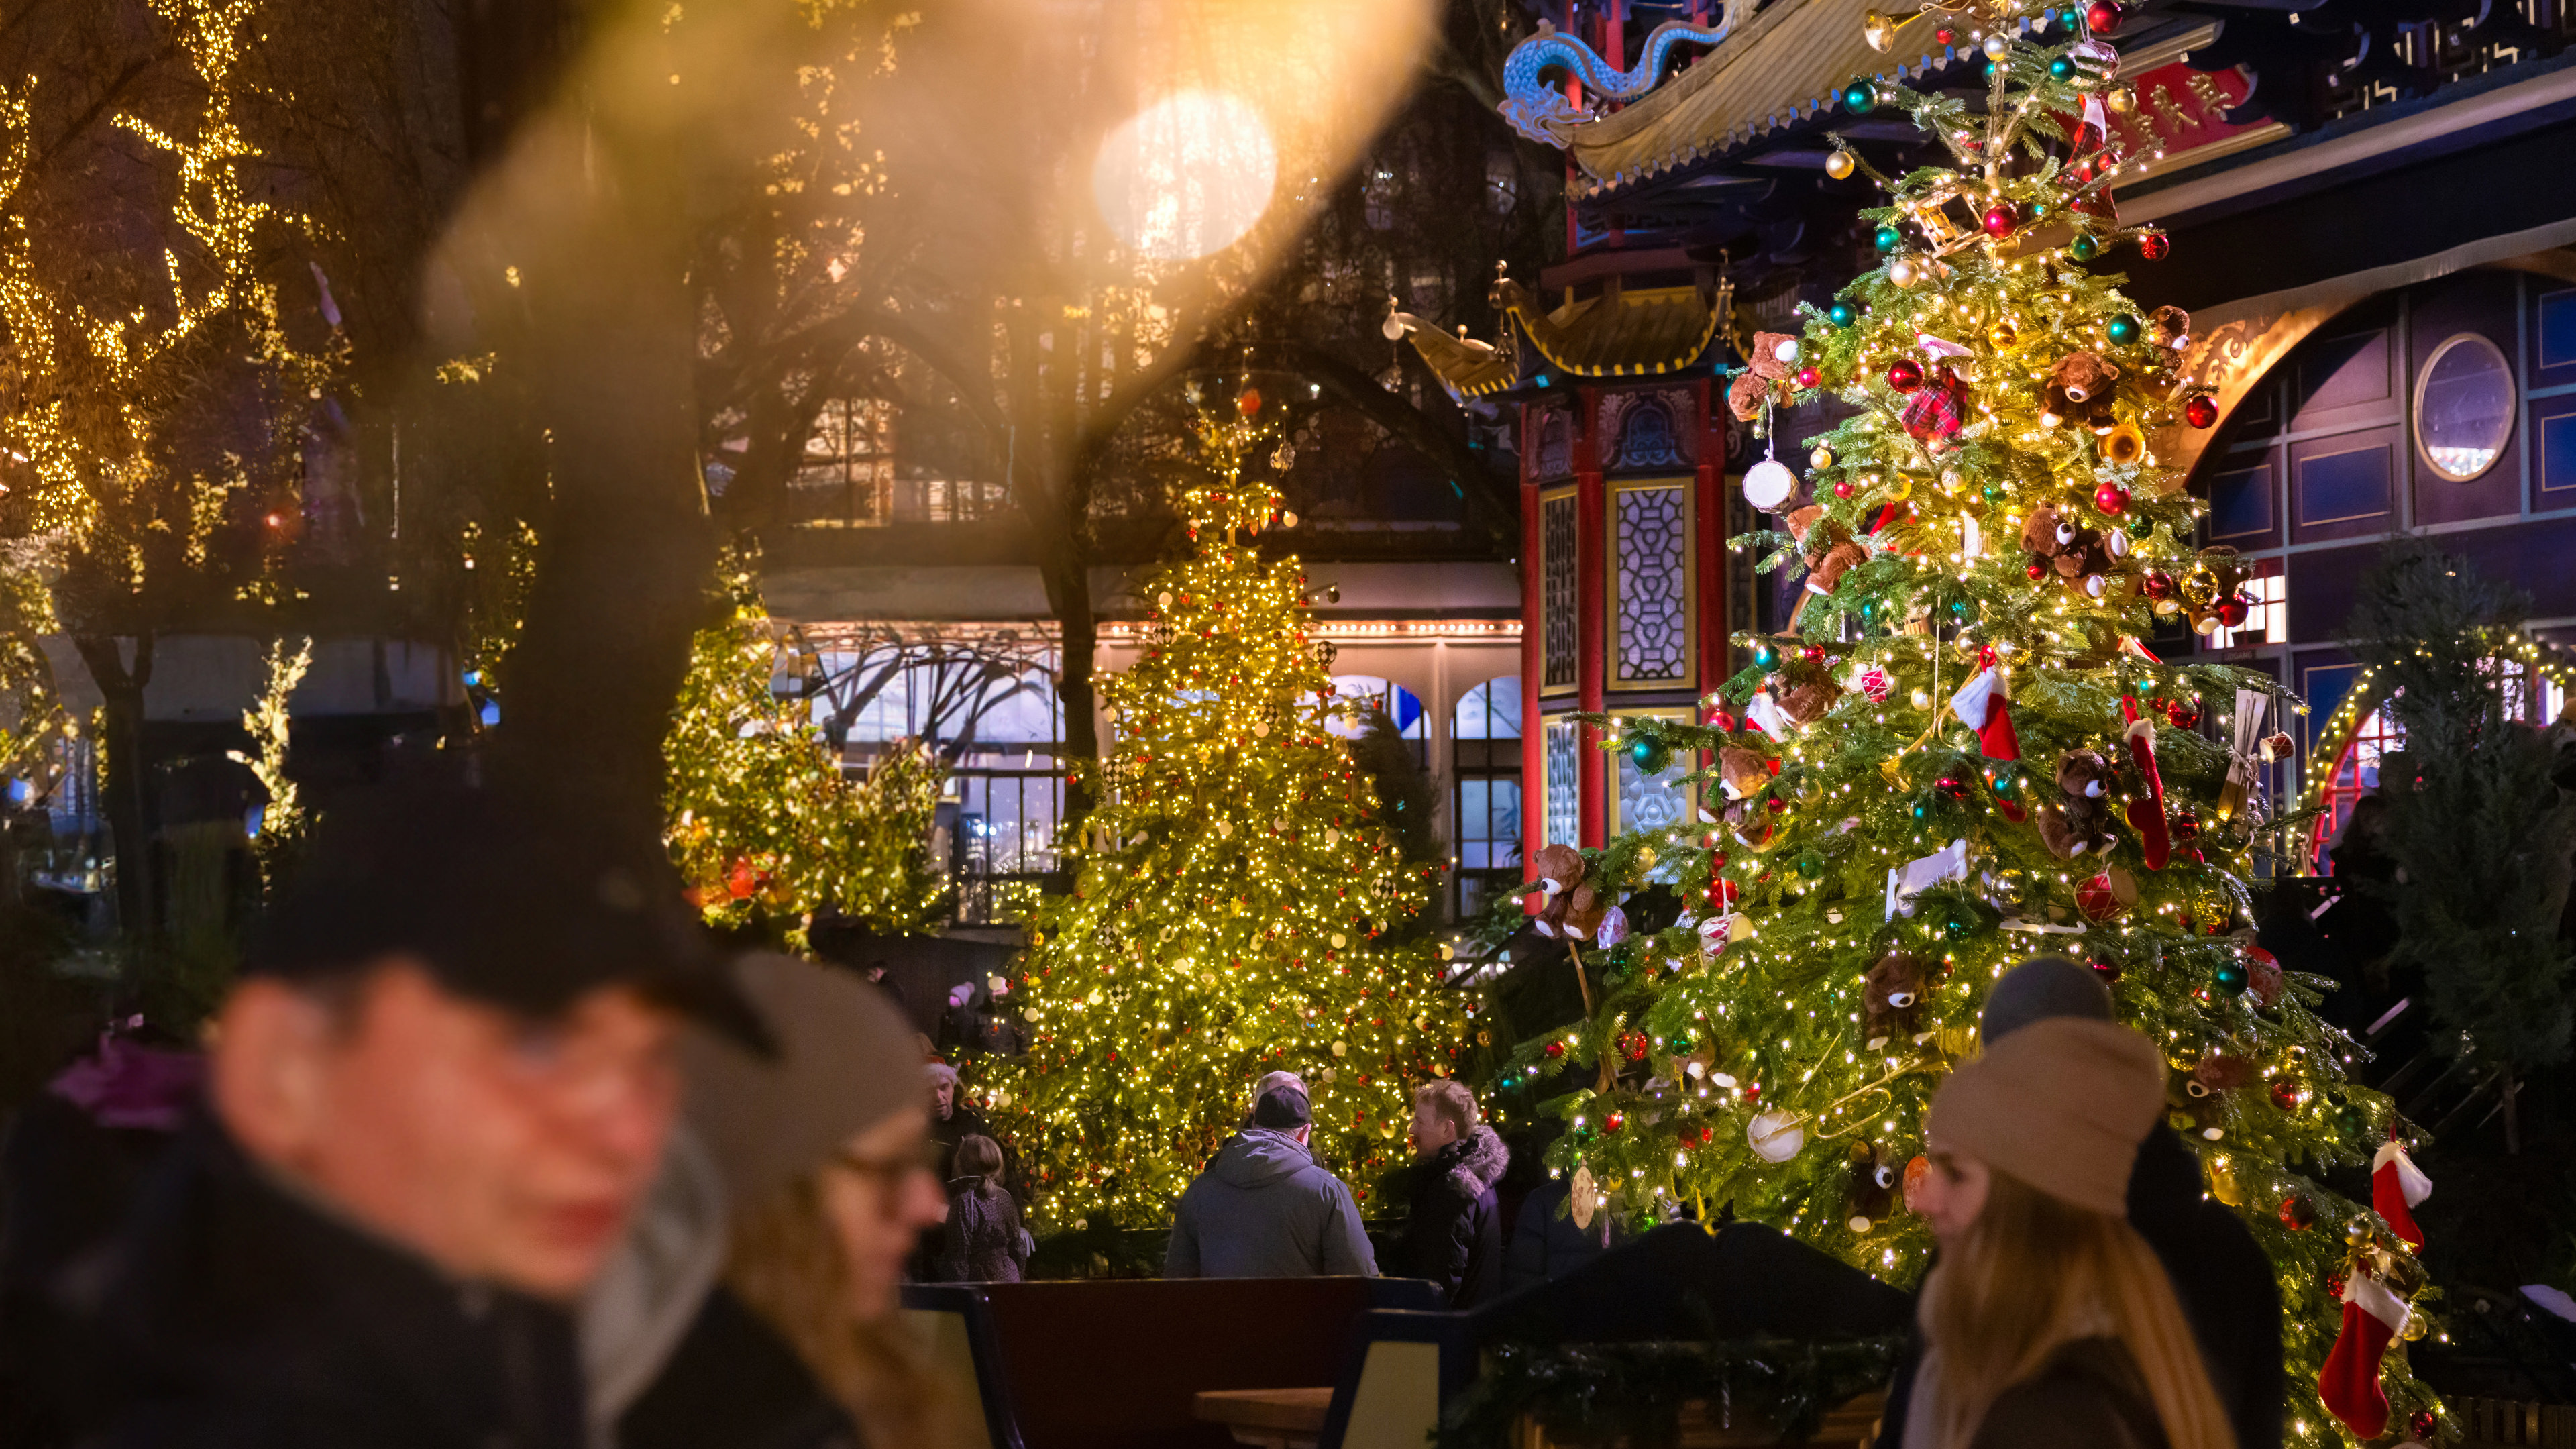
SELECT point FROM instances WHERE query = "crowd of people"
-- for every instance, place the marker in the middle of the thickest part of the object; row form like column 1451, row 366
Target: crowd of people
column 489, row 1146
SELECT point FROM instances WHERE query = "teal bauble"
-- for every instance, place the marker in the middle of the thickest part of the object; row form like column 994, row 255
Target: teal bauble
column 1810, row 866
column 1860, row 98
column 2061, row 68
column 2230, row 976
column 2122, row 329
column 1889, row 238
column 1765, row 657
column 2083, row 248
column 1842, row 314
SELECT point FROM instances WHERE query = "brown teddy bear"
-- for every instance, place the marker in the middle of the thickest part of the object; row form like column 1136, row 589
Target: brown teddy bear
column 1765, row 377
column 1810, row 702
column 1893, row 994
column 2080, row 820
column 1573, row 907
column 1828, row 550
column 2079, row 391
column 2082, row 558
column 1872, row 1196
column 1741, row 771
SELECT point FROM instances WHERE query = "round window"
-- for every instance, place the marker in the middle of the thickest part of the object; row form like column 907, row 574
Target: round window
column 2464, row 401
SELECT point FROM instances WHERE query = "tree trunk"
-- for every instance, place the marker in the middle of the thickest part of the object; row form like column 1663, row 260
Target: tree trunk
column 126, row 789
column 1068, row 586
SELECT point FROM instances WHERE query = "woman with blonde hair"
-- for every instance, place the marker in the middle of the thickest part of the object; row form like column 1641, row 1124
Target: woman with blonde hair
column 820, row 1174
column 2049, row 1321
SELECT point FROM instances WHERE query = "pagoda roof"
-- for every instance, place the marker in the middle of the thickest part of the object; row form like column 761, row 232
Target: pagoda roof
column 1618, row 332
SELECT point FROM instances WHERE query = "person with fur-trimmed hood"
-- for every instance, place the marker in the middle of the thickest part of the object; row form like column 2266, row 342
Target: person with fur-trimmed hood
column 1453, row 1231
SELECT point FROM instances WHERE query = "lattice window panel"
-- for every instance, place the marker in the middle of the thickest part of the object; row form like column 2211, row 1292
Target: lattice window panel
column 1556, row 590
column 1559, row 751
column 1651, row 527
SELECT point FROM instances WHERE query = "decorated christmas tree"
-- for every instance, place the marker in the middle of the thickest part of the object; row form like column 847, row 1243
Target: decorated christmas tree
column 764, row 825
column 1959, row 754
column 1230, row 899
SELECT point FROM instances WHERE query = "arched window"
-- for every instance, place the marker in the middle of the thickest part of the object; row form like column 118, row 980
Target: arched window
column 1485, row 738
column 1401, row 705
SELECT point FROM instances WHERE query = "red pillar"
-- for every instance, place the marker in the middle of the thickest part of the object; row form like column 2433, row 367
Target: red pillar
column 1591, row 610
column 1533, row 663
column 1708, row 516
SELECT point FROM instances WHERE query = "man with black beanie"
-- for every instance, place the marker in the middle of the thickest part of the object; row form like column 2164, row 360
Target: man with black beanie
column 1264, row 1209
column 2219, row 1272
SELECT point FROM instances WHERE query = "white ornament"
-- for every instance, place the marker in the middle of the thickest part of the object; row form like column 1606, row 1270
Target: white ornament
column 1768, row 484
column 1613, row 928
column 1997, row 46
column 1787, row 351
column 1775, row 1136
column 1902, row 272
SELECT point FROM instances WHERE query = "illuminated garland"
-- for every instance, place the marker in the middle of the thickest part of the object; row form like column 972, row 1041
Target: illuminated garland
column 1231, row 905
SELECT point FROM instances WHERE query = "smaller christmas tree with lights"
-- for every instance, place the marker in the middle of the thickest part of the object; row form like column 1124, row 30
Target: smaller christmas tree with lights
column 764, row 824
column 1233, row 905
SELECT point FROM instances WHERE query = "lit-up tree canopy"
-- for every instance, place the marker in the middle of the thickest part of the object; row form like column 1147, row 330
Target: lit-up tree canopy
column 1231, row 895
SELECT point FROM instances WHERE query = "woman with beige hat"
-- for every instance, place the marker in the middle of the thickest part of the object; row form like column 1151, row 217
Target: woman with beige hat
column 2049, row 1321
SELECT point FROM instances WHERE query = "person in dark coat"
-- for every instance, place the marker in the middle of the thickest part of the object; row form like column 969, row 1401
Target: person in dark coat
column 1453, row 1229
column 2219, row 1272
column 1547, row 1243
column 1266, row 1209
column 436, row 1095
column 981, row 1242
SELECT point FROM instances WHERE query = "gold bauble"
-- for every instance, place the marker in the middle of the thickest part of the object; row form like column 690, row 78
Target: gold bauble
column 2120, row 99
column 1902, row 272
column 2417, row 1325
column 2003, row 333
column 1840, row 163
column 1823, row 457
column 2223, row 1184
column 2123, row 445
column 1901, row 489
column 2200, row 588
column 1879, row 31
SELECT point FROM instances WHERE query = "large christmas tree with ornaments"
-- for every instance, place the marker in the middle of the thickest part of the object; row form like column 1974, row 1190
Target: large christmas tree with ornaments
column 1959, row 753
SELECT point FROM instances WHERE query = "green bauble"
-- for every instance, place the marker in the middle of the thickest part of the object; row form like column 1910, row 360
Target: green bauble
column 1842, row 314
column 2083, row 248
column 2122, row 329
column 1889, row 238
column 1810, row 866
column 2061, row 68
column 1860, row 98
column 2229, row 977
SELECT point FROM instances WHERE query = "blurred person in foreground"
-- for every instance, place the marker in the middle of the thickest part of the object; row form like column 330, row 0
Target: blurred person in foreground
column 440, row 1087
column 2218, row 1271
column 1453, row 1227
column 2048, row 1320
column 753, row 1303
column 1265, row 1209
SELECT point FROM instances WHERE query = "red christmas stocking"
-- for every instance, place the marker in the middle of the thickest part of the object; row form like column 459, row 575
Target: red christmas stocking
column 2349, row 1383
column 1982, row 706
column 2397, row 1185
column 2147, row 817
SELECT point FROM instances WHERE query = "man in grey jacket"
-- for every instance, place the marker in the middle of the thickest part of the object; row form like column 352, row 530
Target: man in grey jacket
column 1265, row 1209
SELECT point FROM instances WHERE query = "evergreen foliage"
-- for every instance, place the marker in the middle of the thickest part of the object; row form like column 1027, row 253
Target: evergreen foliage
column 763, row 823
column 2474, row 820
column 1993, row 501
column 1405, row 795
column 1237, row 908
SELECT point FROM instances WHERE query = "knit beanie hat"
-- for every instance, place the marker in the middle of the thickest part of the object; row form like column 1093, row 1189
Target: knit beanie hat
column 2062, row 1104
column 1282, row 1109
column 845, row 1063
column 2039, row 988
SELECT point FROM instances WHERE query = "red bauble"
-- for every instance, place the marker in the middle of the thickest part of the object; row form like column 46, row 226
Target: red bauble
column 1613, row 1122
column 2109, row 971
column 1813, row 654
column 1945, row 35
column 1632, row 1045
column 1775, row 805
column 2155, row 246
column 2233, row 609
column 1555, row 1049
column 1809, row 377
column 1904, row 375
column 2157, row 584
column 1843, row 489
column 2201, row 411
column 1250, row 402
column 2111, row 499
column 2103, row 16
column 2001, row 219
column 2298, row 1214
column 2422, row 1423
column 2183, row 714
column 2285, row 1094
column 2036, row 570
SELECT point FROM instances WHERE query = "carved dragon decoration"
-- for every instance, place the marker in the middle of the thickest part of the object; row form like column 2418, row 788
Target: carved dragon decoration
column 1541, row 112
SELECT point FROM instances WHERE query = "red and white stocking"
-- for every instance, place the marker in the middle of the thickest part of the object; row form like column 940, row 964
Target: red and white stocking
column 2147, row 817
column 1982, row 706
column 2349, row 1383
column 2396, row 1186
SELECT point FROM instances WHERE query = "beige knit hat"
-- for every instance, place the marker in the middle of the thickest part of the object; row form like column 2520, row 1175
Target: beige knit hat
column 2061, row 1104
column 845, row 1062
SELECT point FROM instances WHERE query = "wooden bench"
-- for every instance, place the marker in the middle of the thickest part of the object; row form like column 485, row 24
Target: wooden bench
column 1121, row 1363
column 1268, row 1418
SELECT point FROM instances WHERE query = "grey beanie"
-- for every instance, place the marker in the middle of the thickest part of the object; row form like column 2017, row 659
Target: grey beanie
column 2040, row 988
